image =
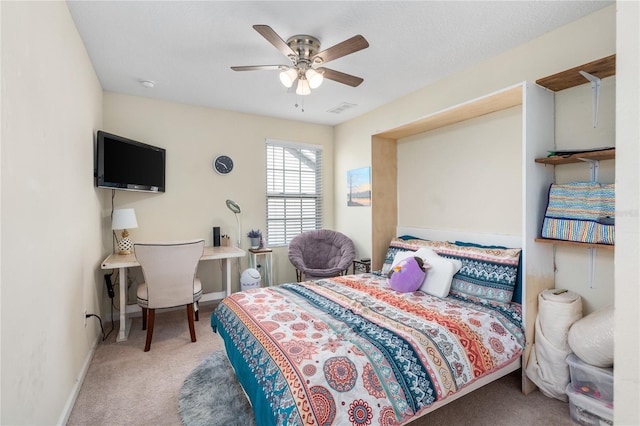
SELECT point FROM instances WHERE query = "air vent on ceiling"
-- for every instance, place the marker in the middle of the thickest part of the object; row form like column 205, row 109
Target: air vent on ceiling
column 342, row 107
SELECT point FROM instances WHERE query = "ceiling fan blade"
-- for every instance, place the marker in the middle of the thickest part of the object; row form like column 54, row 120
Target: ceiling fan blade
column 260, row 68
column 340, row 77
column 273, row 38
column 344, row 48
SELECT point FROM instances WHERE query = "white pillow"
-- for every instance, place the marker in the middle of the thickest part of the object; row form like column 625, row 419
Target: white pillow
column 402, row 255
column 440, row 272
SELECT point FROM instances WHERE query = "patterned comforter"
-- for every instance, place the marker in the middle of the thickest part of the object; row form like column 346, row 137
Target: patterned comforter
column 351, row 351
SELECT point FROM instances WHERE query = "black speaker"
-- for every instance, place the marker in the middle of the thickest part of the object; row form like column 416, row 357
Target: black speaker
column 216, row 236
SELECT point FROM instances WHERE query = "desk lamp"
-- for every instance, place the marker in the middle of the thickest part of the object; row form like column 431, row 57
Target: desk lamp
column 235, row 208
column 124, row 219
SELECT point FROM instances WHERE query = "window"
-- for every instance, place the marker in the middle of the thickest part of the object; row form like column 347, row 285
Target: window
column 294, row 190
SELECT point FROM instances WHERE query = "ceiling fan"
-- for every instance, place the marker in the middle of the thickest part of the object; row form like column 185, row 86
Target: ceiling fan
column 306, row 59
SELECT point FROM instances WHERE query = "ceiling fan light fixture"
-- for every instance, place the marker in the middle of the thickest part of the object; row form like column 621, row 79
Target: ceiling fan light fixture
column 303, row 88
column 288, row 77
column 314, row 78
column 304, row 54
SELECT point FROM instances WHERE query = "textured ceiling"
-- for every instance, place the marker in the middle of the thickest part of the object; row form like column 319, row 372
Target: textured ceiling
column 187, row 48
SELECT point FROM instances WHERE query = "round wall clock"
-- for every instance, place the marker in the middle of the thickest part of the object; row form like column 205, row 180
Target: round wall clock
column 223, row 164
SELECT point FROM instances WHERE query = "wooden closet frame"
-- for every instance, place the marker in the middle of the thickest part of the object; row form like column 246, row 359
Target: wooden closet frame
column 538, row 115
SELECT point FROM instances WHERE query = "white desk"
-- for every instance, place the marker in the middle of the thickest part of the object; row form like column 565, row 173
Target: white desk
column 122, row 262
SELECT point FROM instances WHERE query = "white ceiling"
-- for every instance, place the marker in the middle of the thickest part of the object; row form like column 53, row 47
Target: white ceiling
column 187, row 48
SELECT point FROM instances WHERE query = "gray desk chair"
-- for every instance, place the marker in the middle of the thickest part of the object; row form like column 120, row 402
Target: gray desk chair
column 320, row 254
column 169, row 271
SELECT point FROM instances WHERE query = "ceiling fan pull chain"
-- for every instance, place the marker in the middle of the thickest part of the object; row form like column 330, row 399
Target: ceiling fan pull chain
column 299, row 102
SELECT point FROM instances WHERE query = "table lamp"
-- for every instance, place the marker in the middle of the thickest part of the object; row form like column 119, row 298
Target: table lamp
column 124, row 219
column 235, row 208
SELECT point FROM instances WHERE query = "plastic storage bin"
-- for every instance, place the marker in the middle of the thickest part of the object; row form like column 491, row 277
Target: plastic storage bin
column 588, row 411
column 593, row 381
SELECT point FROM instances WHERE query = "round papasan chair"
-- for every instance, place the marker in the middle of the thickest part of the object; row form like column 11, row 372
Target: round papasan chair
column 320, row 254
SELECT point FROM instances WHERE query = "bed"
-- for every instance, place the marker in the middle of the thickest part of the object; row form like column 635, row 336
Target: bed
column 351, row 350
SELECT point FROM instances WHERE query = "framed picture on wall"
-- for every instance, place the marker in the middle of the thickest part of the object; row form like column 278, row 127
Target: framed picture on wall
column 359, row 187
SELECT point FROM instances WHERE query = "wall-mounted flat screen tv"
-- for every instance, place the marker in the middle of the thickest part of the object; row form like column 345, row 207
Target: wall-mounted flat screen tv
column 123, row 163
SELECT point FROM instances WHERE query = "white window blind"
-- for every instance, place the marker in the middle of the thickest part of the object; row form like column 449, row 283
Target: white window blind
column 294, row 190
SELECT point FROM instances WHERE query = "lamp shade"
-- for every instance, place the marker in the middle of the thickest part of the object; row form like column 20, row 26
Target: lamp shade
column 314, row 77
column 288, row 77
column 303, row 87
column 233, row 206
column 124, row 219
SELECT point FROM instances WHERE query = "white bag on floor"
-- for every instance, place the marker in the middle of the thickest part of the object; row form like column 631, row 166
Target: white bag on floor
column 547, row 366
column 591, row 338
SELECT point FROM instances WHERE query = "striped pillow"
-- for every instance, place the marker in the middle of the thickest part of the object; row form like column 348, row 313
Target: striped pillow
column 487, row 274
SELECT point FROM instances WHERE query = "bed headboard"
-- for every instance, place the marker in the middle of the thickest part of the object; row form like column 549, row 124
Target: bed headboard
column 510, row 241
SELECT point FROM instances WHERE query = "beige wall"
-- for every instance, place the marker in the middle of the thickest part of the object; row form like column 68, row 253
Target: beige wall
column 454, row 194
column 195, row 195
column 51, row 241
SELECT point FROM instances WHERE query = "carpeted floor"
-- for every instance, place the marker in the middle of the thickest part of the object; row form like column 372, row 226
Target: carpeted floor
column 126, row 386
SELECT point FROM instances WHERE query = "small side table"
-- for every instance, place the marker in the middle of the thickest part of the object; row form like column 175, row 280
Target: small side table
column 361, row 266
column 266, row 269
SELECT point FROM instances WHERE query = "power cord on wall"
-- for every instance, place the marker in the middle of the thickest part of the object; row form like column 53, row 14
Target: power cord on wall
column 111, row 293
column 104, row 336
column 107, row 278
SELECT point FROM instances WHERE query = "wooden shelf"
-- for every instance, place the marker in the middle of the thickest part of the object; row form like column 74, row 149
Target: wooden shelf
column 574, row 243
column 608, row 154
column 494, row 102
column 601, row 68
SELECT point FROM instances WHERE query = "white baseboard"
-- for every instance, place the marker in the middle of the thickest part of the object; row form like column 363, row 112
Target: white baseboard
column 66, row 412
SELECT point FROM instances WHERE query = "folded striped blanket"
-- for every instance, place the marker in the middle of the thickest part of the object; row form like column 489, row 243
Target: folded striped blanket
column 580, row 211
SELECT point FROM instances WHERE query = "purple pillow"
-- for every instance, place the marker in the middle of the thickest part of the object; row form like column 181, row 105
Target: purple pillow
column 407, row 276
